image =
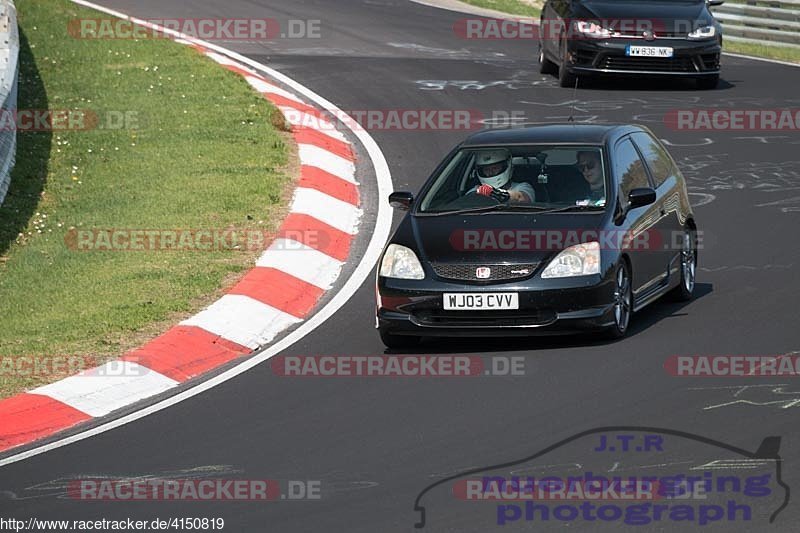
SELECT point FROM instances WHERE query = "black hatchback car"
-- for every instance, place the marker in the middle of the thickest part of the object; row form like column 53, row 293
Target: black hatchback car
column 548, row 229
column 677, row 38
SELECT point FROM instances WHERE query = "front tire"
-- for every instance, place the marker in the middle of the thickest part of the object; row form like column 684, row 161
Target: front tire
column 545, row 65
column 398, row 342
column 623, row 302
column 565, row 77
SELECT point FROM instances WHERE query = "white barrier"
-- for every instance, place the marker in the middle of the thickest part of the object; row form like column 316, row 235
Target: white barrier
column 9, row 74
column 775, row 22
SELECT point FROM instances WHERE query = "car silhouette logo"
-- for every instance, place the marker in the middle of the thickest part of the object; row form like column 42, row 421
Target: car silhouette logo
column 483, row 272
column 649, row 35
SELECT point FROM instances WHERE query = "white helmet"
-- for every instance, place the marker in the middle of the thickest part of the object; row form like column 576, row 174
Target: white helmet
column 493, row 167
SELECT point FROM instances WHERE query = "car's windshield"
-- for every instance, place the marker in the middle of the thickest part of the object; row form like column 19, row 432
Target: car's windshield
column 537, row 177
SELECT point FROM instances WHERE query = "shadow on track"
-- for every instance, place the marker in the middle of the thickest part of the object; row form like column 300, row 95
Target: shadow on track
column 640, row 322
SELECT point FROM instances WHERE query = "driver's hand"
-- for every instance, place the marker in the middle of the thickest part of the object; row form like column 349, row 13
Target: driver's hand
column 501, row 195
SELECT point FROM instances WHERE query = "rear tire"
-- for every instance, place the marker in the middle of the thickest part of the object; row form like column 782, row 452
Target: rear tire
column 707, row 84
column 398, row 342
column 685, row 289
column 623, row 302
column 545, row 65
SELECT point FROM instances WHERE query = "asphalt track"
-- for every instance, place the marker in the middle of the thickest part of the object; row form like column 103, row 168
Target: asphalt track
column 375, row 443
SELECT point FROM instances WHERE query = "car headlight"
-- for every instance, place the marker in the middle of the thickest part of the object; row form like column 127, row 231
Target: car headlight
column 579, row 260
column 592, row 29
column 704, row 32
column 401, row 263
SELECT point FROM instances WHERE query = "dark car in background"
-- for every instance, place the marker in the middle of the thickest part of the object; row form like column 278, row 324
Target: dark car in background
column 547, row 229
column 664, row 38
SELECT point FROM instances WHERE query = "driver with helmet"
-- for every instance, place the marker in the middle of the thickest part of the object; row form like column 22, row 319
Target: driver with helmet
column 494, row 169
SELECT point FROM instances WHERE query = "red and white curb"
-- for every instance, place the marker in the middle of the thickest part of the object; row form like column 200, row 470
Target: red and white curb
column 281, row 291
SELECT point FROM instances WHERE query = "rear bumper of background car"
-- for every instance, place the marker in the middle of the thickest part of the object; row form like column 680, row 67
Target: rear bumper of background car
column 545, row 307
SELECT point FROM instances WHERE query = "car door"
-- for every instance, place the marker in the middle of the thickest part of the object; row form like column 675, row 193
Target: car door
column 630, row 173
column 669, row 230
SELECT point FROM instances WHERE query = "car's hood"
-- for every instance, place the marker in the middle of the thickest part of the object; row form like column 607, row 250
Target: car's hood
column 670, row 13
column 499, row 238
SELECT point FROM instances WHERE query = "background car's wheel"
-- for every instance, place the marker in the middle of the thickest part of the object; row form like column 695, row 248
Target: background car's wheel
column 398, row 341
column 545, row 65
column 708, row 83
column 623, row 302
column 685, row 289
column 565, row 77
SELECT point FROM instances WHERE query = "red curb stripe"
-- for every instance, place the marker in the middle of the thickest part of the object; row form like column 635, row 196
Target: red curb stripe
column 184, row 352
column 282, row 101
column 29, row 417
column 241, row 71
column 280, row 290
column 311, row 136
column 316, row 234
column 316, row 178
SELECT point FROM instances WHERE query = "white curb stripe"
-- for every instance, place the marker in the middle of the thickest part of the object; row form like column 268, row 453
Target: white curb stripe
column 222, row 60
column 242, row 320
column 107, row 388
column 301, row 119
column 314, row 156
column 264, row 87
column 332, row 211
column 302, row 262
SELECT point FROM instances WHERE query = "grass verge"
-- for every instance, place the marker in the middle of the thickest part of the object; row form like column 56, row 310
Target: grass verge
column 513, row 7
column 198, row 148
column 782, row 53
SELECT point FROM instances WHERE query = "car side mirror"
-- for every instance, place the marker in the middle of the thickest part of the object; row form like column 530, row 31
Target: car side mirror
column 641, row 197
column 714, row 3
column 401, row 200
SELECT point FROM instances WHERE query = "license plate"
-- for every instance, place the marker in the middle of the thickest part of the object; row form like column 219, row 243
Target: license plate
column 649, row 51
column 481, row 301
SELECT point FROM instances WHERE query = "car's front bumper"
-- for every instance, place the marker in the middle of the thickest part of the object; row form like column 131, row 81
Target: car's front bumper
column 545, row 307
column 693, row 59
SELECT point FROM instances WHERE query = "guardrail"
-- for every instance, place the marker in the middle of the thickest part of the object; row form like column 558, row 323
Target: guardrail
column 9, row 75
column 775, row 22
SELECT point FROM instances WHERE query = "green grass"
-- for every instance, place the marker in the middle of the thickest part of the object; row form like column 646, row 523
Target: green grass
column 513, row 7
column 791, row 55
column 207, row 153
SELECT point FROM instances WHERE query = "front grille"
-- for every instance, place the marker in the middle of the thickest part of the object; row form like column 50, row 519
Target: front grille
column 486, row 319
column 467, row 272
column 674, row 64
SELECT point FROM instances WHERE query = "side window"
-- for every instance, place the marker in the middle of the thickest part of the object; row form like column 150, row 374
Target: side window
column 658, row 160
column 629, row 168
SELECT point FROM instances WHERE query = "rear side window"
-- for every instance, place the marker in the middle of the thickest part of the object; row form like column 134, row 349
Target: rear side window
column 658, row 160
column 629, row 168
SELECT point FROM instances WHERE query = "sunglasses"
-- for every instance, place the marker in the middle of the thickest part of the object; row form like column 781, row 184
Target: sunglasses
column 587, row 165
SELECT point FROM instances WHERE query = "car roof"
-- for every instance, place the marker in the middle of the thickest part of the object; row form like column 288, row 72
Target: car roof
column 569, row 133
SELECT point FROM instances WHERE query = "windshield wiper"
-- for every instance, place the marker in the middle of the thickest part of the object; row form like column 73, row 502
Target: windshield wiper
column 575, row 208
column 489, row 209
